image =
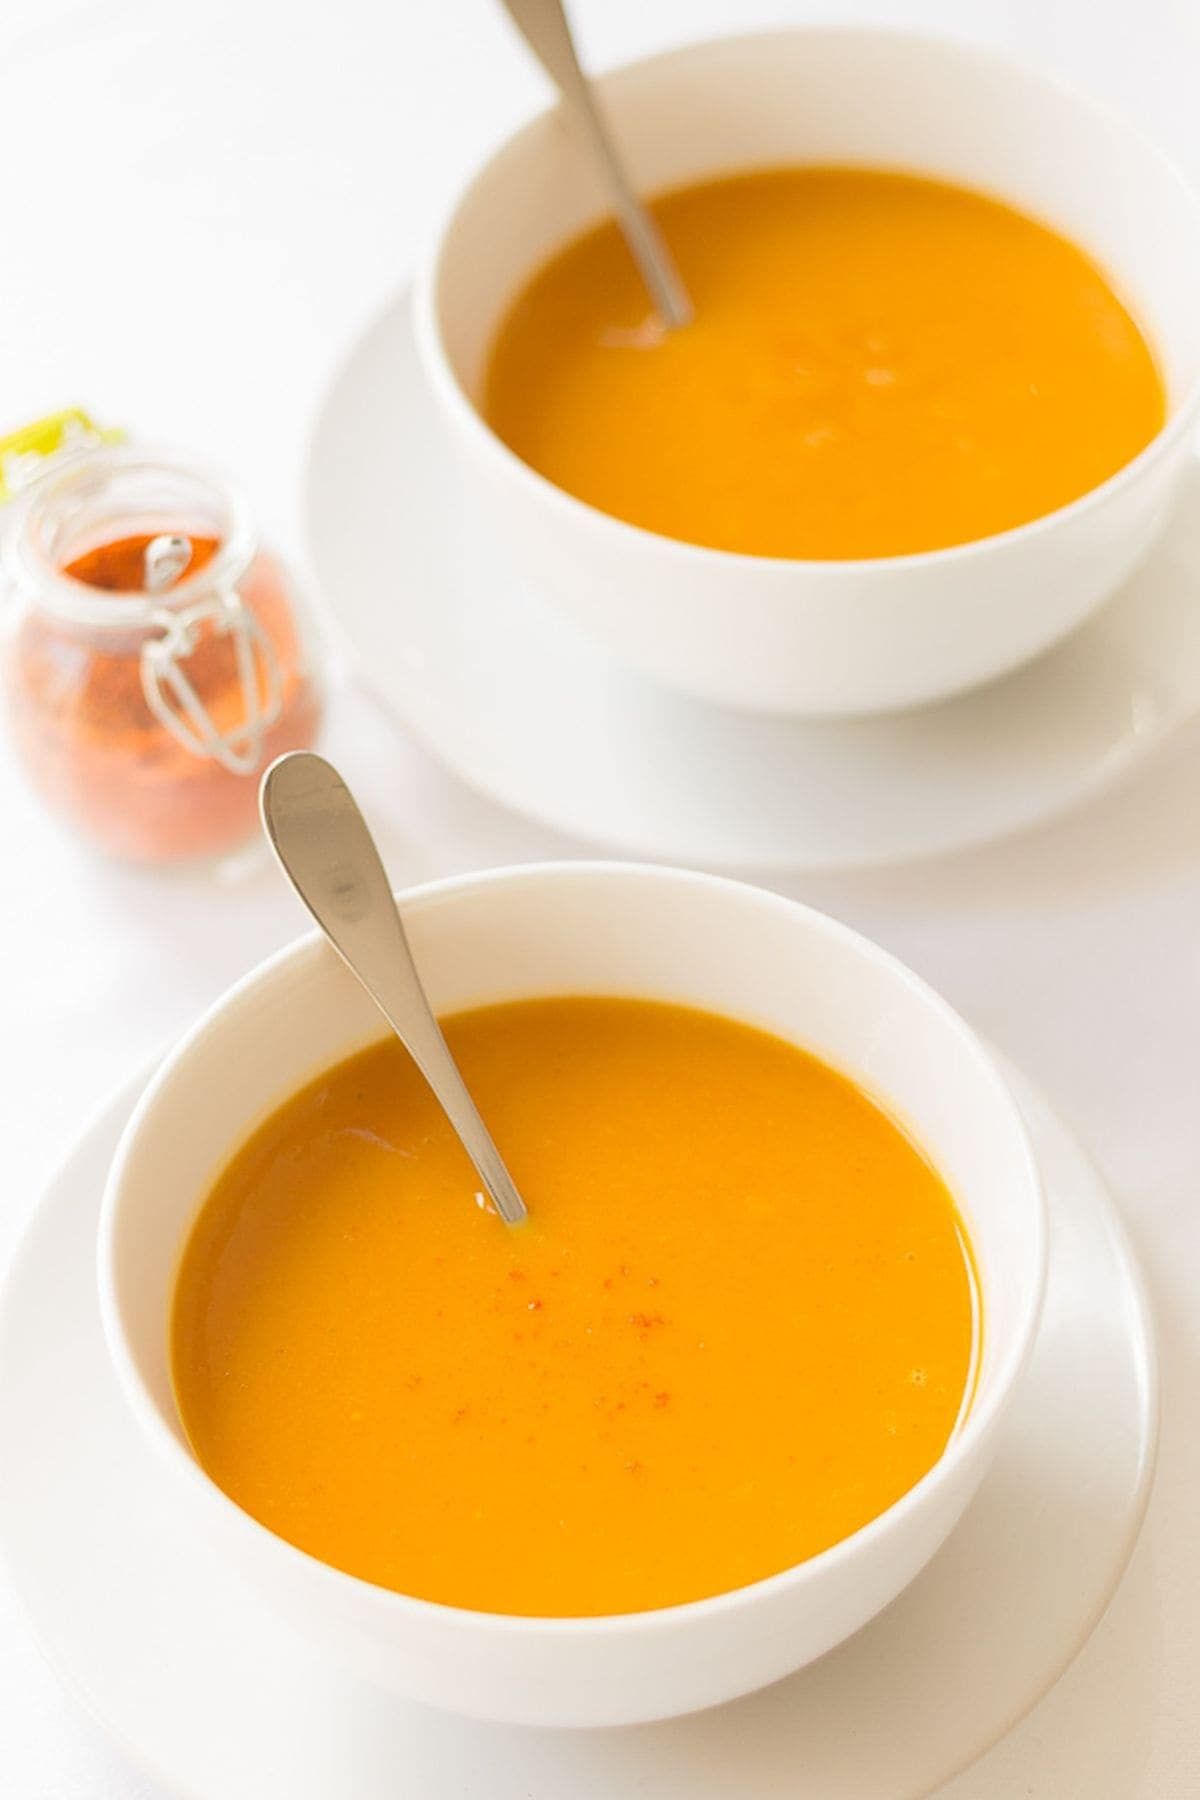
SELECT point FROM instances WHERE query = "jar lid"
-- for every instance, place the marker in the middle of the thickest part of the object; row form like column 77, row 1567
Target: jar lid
column 105, row 495
column 121, row 491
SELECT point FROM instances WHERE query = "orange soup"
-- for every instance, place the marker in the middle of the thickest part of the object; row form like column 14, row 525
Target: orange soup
column 738, row 1324
column 878, row 364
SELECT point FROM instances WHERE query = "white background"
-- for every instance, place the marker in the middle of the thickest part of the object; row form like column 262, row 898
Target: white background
column 202, row 202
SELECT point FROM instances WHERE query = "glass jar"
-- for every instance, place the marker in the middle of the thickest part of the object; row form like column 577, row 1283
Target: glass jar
column 155, row 662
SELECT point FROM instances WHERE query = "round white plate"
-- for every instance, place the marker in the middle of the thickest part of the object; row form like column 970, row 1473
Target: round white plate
column 517, row 703
column 207, row 1690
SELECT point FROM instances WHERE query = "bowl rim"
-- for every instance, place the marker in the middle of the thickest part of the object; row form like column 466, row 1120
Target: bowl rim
column 1179, row 420
column 291, row 961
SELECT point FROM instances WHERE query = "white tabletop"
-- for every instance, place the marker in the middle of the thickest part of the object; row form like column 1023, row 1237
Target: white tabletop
column 202, row 204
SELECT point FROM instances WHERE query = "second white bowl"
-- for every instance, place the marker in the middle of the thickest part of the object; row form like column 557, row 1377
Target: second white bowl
column 823, row 637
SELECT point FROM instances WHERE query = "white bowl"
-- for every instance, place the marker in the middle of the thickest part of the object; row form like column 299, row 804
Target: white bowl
column 814, row 637
column 584, row 928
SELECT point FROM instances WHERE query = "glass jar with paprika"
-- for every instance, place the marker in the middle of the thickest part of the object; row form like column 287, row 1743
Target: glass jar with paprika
column 155, row 656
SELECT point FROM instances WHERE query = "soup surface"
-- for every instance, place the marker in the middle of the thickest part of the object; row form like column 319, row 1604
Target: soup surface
column 737, row 1325
column 878, row 364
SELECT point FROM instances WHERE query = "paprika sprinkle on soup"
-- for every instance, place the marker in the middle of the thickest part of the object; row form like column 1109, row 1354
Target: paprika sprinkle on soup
column 145, row 698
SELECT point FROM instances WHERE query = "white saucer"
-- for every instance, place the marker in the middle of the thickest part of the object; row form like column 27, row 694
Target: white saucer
column 204, row 1688
column 521, row 706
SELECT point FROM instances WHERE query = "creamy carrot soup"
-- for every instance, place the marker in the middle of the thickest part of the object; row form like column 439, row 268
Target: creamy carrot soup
column 878, row 364
column 738, row 1324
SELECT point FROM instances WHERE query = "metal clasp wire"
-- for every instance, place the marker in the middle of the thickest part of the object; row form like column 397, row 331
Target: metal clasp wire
column 172, row 697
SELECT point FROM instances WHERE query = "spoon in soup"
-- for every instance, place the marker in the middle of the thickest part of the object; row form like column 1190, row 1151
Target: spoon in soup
column 328, row 854
column 544, row 26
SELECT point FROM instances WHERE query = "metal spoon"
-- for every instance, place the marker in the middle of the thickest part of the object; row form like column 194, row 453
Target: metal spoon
column 543, row 24
column 330, row 858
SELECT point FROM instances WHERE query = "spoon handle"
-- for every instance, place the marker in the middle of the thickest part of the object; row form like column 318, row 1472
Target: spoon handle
column 544, row 26
column 330, row 858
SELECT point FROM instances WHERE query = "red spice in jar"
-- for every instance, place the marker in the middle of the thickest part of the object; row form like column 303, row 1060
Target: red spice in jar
column 99, row 755
column 120, row 567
